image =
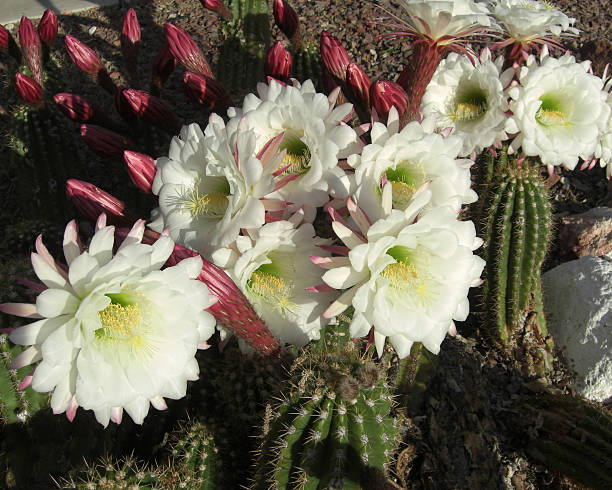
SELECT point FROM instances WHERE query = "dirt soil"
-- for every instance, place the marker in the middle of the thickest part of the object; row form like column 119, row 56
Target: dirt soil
column 467, row 433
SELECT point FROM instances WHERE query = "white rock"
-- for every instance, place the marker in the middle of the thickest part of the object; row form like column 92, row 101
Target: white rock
column 578, row 305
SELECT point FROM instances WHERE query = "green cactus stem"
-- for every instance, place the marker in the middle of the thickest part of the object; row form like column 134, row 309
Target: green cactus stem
column 333, row 429
column 515, row 222
column 307, row 65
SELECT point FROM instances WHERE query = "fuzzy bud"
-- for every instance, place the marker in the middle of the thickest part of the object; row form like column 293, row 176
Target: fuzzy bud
column 104, row 142
column 357, row 85
column 130, row 41
column 185, row 50
column 205, row 90
column 218, row 7
column 278, row 62
column 92, row 201
column 152, row 110
column 141, row 169
column 334, row 56
column 286, row 19
column 47, row 28
column 28, row 89
column 87, row 61
column 74, row 106
column 385, row 94
column 31, row 48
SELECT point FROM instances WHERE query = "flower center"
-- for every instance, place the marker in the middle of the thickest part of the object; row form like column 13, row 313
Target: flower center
column 470, row 103
column 211, row 204
column 553, row 111
column 126, row 321
column 409, row 277
column 298, row 154
column 405, row 178
column 267, row 286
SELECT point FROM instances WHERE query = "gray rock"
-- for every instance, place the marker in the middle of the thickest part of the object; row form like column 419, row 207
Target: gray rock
column 578, row 305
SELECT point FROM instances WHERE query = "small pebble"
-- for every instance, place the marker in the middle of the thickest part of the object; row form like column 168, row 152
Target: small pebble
column 91, row 30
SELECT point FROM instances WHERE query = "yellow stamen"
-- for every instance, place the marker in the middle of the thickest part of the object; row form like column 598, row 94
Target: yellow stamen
column 552, row 118
column 274, row 291
column 468, row 111
column 210, row 205
column 405, row 278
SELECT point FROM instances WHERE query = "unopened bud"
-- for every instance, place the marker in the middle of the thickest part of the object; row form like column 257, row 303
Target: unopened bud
column 92, row 201
column 47, row 28
column 287, row 20
column 384, row 95
column 141, row 169
column 31, row 48
column 334, row 56
column 163, row 66
column 130, row 41
column 87, row 61
column 218, row 7
column 205, row 90
column 28, row 89
column 357, row 85
column 152, row 110
column 74, row 106
column 104, row 142
column 185, row 50
column 278, row 62
column 8, row 44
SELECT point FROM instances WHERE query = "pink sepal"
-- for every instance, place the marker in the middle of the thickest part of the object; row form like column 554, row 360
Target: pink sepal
column 27, row 381
column 116, row 414
column 320, row 288
column 203, row 345
column 28, row 356
column 72, row 408
column 23, row 310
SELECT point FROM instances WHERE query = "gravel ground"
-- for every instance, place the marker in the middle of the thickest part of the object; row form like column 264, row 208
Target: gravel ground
column 462, row 436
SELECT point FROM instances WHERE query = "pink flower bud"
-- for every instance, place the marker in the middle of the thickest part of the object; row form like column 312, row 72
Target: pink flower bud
column 47, row 28
column 185, row 50
column 218, row 7
column 334, row 56
column 357, row 85
column 141, row 169
column 87, row 61
column 105, row 142
column 92, row 201
column 163, row 66
column 152, row 110
column 278, row 62
column 31, row 48
column 286, row 18
column 205, row 90
column 28, row 89
column 4, row 38
column 130, row 40
column 74, row 106
column 8, row 44
column 384, row 95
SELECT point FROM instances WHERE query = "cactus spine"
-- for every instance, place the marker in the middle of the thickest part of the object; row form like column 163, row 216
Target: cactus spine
column 515, row 222
column 334, row 428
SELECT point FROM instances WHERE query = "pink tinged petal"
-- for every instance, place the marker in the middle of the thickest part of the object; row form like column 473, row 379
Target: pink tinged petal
column 34, row 286
column 100, row 222
column 116, row 414
column 284, row 181
column 359, row 215
column 277, row 161
column 24, row 310
column 72, row 244
column 28, row 356
column 269, row 149
column 159, row 403
column 55, row 302
column 72, row 408
column 362, row 129
column 330, row 262
column 273, row 204
column 341, row 304
column 47, row 274
column 135, row 234
column 203, row 346
column 452, row 329
column 27, row 381
column 320, row 288
column 348, row 236
column 297, row 217
column 44, row 253
column 335, row 249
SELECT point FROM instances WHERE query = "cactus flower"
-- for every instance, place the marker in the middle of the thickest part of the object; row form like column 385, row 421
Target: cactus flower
column 384, row 95
column 141, row 169
column 104, row 142
column 278, row 62
column 47, row 28
column 91, row 201
column 28, row 89
column 31, row 48
column 107, row 333
column 186, row 51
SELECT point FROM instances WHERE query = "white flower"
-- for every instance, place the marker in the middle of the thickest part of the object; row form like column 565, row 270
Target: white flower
column 470, row 99
column 604, row 145
column 273, row 270
column 210, row 186
column 114, row 332
column 407, row 279
column 559, row 109
column 446, row 18
column 315, row 138
column 526, row 20
column 407, row 159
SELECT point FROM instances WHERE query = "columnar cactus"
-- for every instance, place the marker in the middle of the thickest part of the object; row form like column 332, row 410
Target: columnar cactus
column 333, row 429
column 515, row 222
